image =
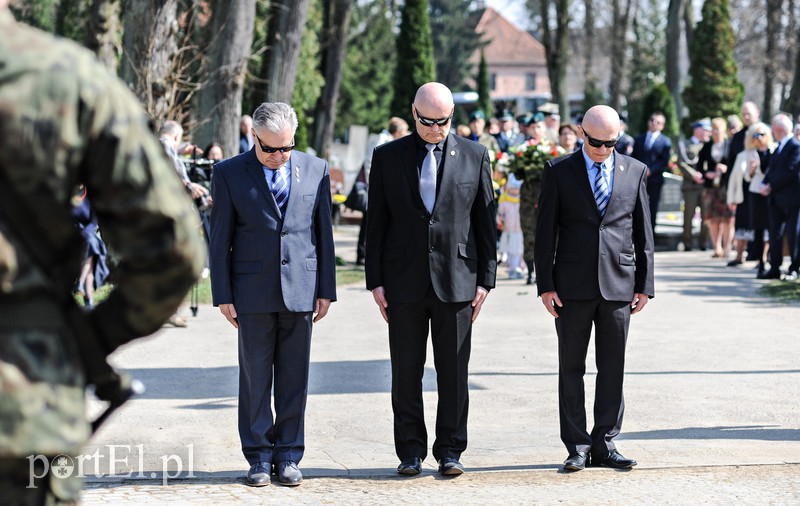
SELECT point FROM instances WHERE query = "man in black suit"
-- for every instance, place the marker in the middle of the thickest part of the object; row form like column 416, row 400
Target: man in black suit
column 594, row 265
column 653, row 149
column 431, row 260
column 782, row 186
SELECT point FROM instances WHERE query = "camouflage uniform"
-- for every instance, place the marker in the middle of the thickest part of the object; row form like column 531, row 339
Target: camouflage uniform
column 64, row 120
column 528, row 213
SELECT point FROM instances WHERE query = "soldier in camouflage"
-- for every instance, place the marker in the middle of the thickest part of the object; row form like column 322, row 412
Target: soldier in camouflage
column 65, row 120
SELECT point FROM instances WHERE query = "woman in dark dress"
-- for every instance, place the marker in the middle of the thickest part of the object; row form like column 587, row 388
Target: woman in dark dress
column 94, row 270
column 760, row 136
column 712, row 162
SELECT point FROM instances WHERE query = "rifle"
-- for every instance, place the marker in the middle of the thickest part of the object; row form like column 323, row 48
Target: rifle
column 109, row 385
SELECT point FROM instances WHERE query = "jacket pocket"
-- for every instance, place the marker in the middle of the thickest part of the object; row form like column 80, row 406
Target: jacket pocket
column 311, row 264
column 626, row 259
column 246, row 267
column 465, row 251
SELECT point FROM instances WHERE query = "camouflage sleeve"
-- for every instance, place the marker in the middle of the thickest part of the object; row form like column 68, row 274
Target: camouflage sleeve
column 145, row 214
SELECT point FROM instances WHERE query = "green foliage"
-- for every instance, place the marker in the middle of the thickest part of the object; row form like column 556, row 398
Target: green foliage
column 366, row 91
column 71, row 19
column 414, row 57
column 253, row 84
column 592, row 94
column 784, row 291
column 454, row 40
column 647, row 61
column 37, row 13
column 484, row 88
column 660, row 99
column 715, row 89
column 309, row 82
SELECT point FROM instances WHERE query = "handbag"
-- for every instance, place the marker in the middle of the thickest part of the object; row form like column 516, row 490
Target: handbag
column 357, row 198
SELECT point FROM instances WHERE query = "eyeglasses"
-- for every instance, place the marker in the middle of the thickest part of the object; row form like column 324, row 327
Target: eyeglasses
column 596, row 143
column 758, row 135
column 429, row 122
column 269, row 149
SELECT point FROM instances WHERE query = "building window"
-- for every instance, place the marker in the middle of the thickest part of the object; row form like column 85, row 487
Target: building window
column 530, row 81
column 493, row 81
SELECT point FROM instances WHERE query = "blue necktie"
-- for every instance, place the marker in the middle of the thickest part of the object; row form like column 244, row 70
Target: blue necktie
column 427, row 178
column 280, row 190
column 601, row 193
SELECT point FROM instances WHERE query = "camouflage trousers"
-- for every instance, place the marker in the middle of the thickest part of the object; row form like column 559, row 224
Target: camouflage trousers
column 528, row 213
column 29, row 482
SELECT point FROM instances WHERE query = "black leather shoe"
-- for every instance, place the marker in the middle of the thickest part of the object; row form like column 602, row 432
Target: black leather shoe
column 614, row 460
column 410, row 466
column 770, row 274
column 450, row 467
column 258, row 475
column 288, row 474
column 576, row 462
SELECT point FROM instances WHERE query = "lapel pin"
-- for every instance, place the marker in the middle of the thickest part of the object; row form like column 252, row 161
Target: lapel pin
column 297, row 173
column 453, row 153
column 621, row 168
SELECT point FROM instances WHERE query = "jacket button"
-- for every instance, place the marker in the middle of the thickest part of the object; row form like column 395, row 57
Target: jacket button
column 430, row 249
column 284, row 262
column 431, row 222
column 284, row 234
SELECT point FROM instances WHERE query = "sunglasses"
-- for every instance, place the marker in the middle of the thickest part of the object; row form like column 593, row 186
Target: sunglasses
column 428, row 122
column 596, row 143
column 270, row 150
column 758, row 135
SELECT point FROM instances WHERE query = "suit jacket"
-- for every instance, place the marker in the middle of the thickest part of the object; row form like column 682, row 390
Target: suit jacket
column 582, row 255
column 656, row 158
column 505, row 143
column 454, row 247
column 783, row 173
column 259, row 261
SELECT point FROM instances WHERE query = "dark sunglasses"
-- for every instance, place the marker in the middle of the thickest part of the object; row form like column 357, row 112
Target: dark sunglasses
column 596, row 143
column 428, row 122
column 758, row 135
column 270, row 150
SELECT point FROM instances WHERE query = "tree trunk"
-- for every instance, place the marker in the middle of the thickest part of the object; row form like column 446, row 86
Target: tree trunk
column 102, row 32
column 619, row 48
column 335, row 28
column 556, row 47
column 774, row 8
column 220, row 100
column 793, row 103
column 149, row 46
column 286, row 27
column 588, row 41
column 688, row 21
column 673, row 61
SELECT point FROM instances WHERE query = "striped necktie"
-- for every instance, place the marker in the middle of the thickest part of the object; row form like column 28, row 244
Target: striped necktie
column 280, row 190
column 601, row 193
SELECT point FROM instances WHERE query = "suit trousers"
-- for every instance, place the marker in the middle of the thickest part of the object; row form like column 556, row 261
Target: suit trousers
column 574, row 326
column 692, row 199
column 783, row 221
column 654, row 185
column 273, row 346
column 451, row 330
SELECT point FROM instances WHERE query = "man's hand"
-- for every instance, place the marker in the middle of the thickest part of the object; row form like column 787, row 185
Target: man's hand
column 550, row 301
column 477, row 302
column 380, row 300
column 198, row 191
column 230, row 313
column 765, row 190
column 322, row 309
column 638, row 302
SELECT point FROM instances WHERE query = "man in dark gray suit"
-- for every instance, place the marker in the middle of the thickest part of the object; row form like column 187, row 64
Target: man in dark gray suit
column 272, row 267
column 431, row 260
column 594, row 265
column 654, row 149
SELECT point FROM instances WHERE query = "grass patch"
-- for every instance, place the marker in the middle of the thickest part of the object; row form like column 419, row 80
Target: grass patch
column 784, row 291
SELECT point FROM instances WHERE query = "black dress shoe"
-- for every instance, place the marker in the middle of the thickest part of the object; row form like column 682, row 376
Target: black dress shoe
column 576, row 461
column 410, row 466
column 450, row 467
column 614, row 460
column 735, row 263
column 288, row 474
column 770, row 274
column 258, row 475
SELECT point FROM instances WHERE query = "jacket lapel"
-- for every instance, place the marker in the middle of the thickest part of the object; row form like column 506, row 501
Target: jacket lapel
column 409, row 163
column 620, row 177
column 582, row 177
column 450, row 156
column 296, row 179
column 256, row 171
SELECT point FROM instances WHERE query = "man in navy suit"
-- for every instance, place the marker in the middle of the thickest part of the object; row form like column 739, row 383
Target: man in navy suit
column 594, row 267
column 782, row 186
column 431, row 261
column 272, row 268
column 653, row 149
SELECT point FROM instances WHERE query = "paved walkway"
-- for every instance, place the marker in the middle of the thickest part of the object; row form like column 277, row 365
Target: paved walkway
column 711, row 406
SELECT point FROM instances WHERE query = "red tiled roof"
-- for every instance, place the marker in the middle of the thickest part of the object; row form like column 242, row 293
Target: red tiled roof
column 508, row 45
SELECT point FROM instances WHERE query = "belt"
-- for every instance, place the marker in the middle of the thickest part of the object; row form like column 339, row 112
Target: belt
column 38, row 313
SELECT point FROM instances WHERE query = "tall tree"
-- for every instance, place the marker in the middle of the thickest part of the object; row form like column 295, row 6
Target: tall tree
column 414, row 57
column 771, row 60
column 555, row 39
column 38, row 13
column 335, row 29
column 715, row 89
column 454, row 40
column 590, row 88
column 673, row 71
column 647, row 57
column 621, row 12
column 220, row 99
column 484, row 88
column 659, row 98
column 287, row 19
column 71, row 19
column 102, row 32
column 367, row 77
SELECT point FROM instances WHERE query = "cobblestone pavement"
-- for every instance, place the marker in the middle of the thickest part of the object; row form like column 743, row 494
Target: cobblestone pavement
column 772, row 484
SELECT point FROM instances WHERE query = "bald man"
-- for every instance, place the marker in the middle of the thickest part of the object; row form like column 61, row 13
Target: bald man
column 430, row 262
column 594, row 268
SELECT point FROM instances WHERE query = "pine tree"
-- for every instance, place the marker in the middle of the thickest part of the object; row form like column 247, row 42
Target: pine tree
column 660, row 99
column 484, row 88
column 715, row 89
column 454, row 40
column 414, row 57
